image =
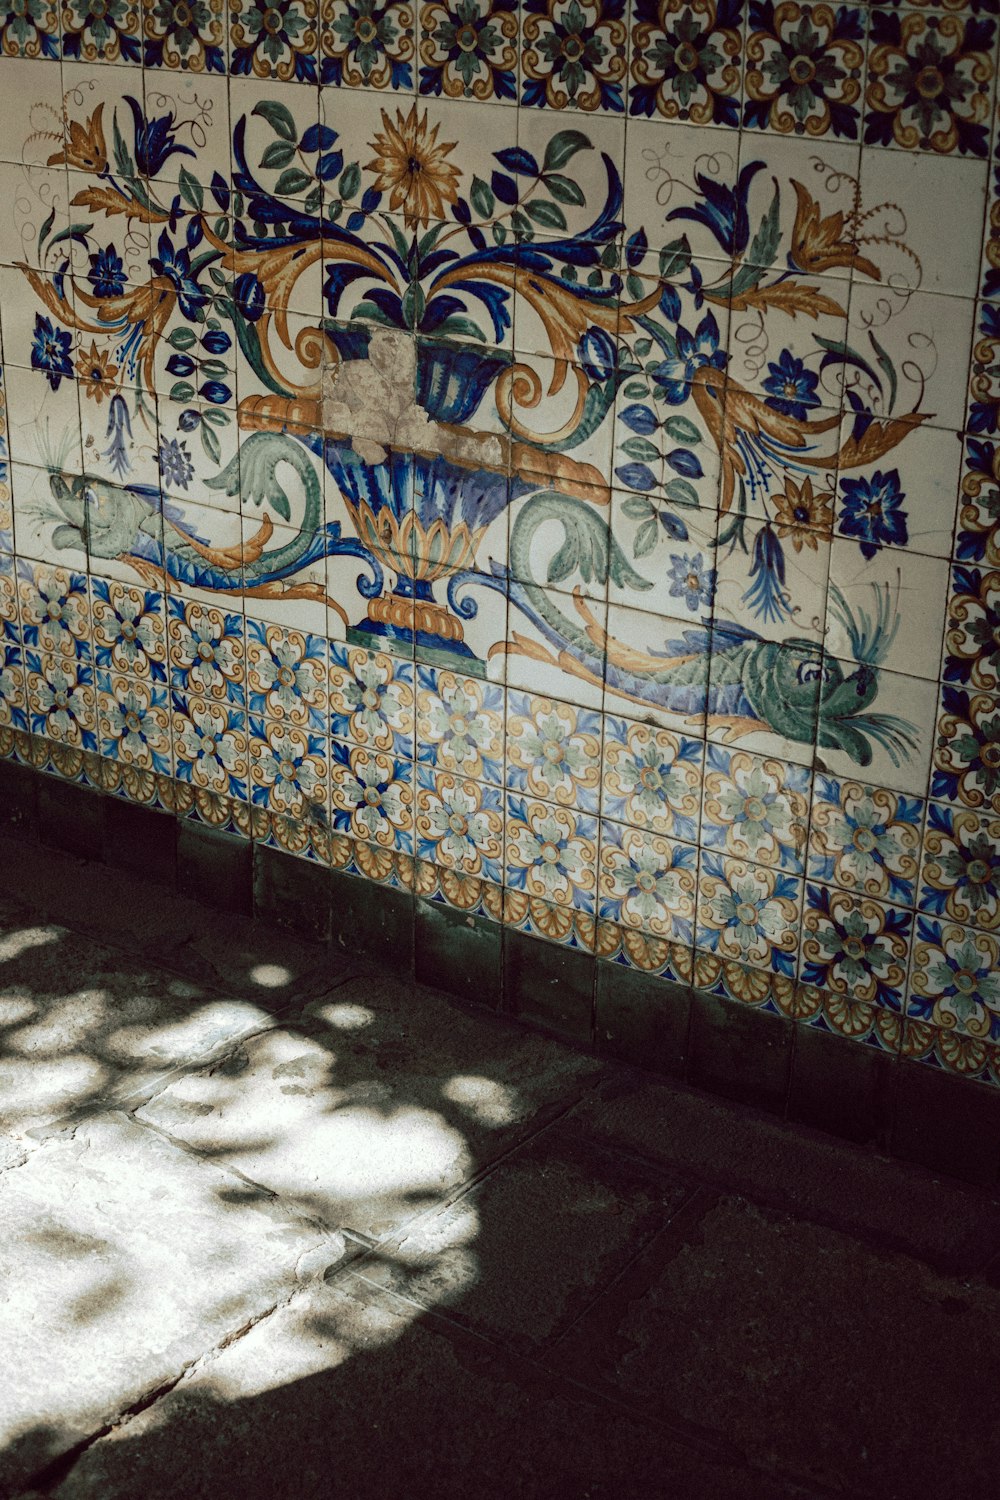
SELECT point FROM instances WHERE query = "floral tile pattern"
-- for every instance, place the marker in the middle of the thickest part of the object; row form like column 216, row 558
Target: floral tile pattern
column 539, row 454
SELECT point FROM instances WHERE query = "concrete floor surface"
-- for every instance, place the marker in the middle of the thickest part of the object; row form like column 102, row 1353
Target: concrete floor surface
column 270, row 1226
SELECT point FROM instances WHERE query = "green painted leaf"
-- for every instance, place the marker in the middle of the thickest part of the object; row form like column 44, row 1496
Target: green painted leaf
column 675, row 257
column 638, row 508
column 564, row 189
column 292, row 180
column 886, row 364
column 681, row 430
column 640, row 448
column 181, row 390
column 278, row 116
column 645, row 538
column 481, row 198
column 563, row 146
column 566, row 560
column 764, row 246
column 637, row 390
column 211, row 444
column 312, row 200
column 681, row 492
column 181, row 338
column 350, row 180
column 278, row 154
column 549, row 215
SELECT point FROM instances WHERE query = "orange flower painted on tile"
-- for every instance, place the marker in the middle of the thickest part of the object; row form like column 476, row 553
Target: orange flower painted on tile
column 412, row 168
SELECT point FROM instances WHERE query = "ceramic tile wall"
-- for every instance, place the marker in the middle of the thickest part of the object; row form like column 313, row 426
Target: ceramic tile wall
column 539, row 453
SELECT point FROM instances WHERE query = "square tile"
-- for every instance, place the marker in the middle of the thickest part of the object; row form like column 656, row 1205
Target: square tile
column 972, row 628
column 865, row 838
column 287, row 675
column 852, row 945
column 55, row 610
column 178, row 38
column 30, row 34
column 960, row 867
column 765, row 582
column 755, row 808
column 934, row 116
column 459, row 824
column 372, row 795
column 804, row 68
column 927, row 338
column 275, row 40
column 748, row 913
column 550, row 853
column 906, row 200
column 129, row 632
column 652, row 778
column 289, row 769
column 956, row 979
column 207, row 651
column 574, row 54
column 101, row 34
column 553, row 751
column 365, row 45
column 211, row 749
column 134, row 721
column 886, row 607
column 686, row 60
column 967, row 749
column 371, row 698
column 646, row 881
column 469, row 49
column 657, row 665
column 880, row 721
column 673, row 178
column 459, row 724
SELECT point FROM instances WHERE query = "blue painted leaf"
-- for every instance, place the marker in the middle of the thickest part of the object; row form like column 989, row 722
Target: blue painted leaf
column 639, row 419
column 318, row 138
column 328, row 165
column 516, row 159
column 683, row 461
column 504, row 187
column 636, row 476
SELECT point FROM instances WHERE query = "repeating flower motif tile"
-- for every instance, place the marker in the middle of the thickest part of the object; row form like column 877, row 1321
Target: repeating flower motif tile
column 288, row 769
column 748, row 913
column 804, row 67
column 189, row 34
column 207, row 652
column 371, row 698
column 468, row 49
column 13, row 688
column 62, row 699
column 755, row 808
column 365, row 44
column 967, row 752
column 930, row 82
column 573, row 54
column 983, row 415
column 286, row 674
column 991, row 249
column 210, row 744
column 865, row 839
column 372, row 794
column 550, row 853
column 960, row 869
column 977, row 531
column 855, row 946
column 134, row 721
column 686, row 60
column 276, row 39
column 459, row 824
column 956, row 978
column 652, row 778
column 29, row 29
column 972, row 629
column 128, row 630
column 460, row 724
column 553, row 751
column 647, row 881
column 101, row 31
column 55, row 611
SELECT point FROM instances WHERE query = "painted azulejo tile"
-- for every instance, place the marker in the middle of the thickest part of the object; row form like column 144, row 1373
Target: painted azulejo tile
column 930, row 82
column 185, row 34
column 977, row 533
column 55, row 611
column 804, row 65
column 371, row 698
column 755, row 808
column 459, row 824
column 865, row 839
column 372, row 794
column 29, row 28
column 128, row 630
column 105, row 31
column 13, row 688
column 550, row 853
column 956, row 978
column 460, row 724
column 652, row 778
column 274, row 39
column 854, row 946
column 967, row 752
column 134, row 721
column 286, row 674
column 573, row 54
column 648, row 882
column 748, row 913
column 972, row 628
column 365, row 44
column 210, row 744
column 207, row 652
column 468, row 49
column 960, row 873
column 686, row 62
column 288, row 769
column 62, row 699
column 553, row 751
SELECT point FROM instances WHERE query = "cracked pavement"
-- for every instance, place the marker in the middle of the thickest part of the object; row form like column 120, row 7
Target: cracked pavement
column 272, row 1224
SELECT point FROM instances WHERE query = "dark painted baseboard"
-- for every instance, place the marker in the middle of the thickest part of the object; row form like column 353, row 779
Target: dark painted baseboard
column 891, row 1104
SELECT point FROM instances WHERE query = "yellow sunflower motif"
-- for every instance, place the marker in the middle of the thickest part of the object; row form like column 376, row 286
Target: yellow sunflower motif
column 97, row 373
column 802, row 516
column 412, row 169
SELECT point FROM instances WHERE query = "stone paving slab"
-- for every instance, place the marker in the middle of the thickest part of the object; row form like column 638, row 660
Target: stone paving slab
column 802, row 1172
column 376, row 1103
column 347, row 1391
column 81, row 1027
column 853, row 1371
column 122, row 1260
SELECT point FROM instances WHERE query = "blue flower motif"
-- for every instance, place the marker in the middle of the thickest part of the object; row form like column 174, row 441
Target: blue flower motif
column 872, row 511
column 674, row 374
column 175, row 266
column 791, row 386
column 154, row 141
column 119, row 427
column 691, row 580
column 176, row 467
column 767, row 596
column 50, row 348
column 248, row 294
column 723, row 210
column 107, row 273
